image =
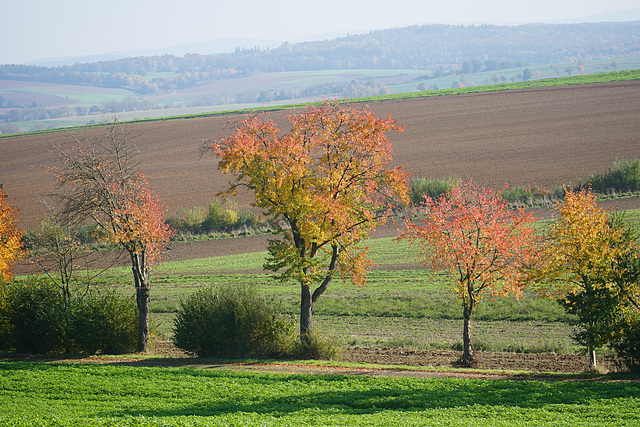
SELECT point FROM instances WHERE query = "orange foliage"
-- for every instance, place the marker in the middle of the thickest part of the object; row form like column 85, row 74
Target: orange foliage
column 473, row 234
column 10, row 237
column 328, row 178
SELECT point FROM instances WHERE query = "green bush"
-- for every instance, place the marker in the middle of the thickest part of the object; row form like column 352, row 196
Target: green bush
column 106, row 323
column 33, row 318
column 433, row 188
column 221, row 216
column 36, row 319
column 627, row 346
column 232, row 321
column 624, row 176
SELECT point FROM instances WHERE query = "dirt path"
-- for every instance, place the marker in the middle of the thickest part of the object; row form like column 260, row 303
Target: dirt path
column 376, row 362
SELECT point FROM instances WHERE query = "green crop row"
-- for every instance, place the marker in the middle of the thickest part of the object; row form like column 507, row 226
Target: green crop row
column 88, row 395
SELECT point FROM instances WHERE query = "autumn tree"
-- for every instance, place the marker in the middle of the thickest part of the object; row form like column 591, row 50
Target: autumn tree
column 99, row 180
column 584, row 266
column 10, row 237
column 328, row 180
column 471, row 233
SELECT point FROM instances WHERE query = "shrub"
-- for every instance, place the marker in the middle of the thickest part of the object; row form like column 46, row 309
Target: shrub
column 531, row 195
column 627, row 346
column 433, row 188
column 221, row 217
column 319, row 347
column 105, row 323
column 232, row 321
column 624, row 176
column 33, row 317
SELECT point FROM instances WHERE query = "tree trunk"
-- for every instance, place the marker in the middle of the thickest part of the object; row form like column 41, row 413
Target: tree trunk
column 467, row 354
column 306, row 311
column 308, row 299
column 141, row 281
column 142, row 297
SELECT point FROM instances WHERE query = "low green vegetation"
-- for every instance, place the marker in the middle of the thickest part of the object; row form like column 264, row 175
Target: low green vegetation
column 233, row 321
column 622, row 179
column 90, row 395
column 37, row 317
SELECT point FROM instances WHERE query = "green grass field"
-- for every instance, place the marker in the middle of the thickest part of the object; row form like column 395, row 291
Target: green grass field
column 38, row 394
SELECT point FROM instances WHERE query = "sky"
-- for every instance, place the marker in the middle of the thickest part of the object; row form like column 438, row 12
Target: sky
column 33, row 30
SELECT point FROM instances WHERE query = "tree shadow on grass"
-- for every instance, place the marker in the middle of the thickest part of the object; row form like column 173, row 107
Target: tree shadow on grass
column 391, row 394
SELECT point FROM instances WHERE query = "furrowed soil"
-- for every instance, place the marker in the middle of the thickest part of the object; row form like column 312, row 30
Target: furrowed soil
column 444, row 359
column 542, row 137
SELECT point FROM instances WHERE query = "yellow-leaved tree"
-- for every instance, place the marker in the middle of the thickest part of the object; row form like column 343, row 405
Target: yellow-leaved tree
column 584, row 264
column 10, row 237
column 328, row 179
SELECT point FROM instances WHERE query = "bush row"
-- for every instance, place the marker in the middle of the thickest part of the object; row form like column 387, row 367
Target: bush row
column 36, row 318
column 623, row 177
column 221, row 216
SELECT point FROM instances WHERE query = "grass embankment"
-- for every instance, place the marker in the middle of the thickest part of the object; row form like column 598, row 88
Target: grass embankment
column 89, row 395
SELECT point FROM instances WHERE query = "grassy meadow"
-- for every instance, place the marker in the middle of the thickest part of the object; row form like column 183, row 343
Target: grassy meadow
column 118, row 395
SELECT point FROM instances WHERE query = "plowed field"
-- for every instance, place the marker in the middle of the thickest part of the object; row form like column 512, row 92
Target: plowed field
column 539, row 136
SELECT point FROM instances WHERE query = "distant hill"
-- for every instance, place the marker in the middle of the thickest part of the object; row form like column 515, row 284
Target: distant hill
column 417, row 47
column 414, row 58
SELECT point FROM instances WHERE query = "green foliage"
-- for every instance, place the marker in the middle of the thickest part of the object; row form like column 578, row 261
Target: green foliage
column 103, row 322
column 41, row 394
column 232, row 321
column 434, row 188
column 35, row 318
column 627, row 344
column 221, row 217
column 623, row 177
column 598, row 315
column 532, row 195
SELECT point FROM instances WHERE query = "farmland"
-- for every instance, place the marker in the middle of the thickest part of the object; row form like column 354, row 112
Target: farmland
column 87, row 395
column 544, row 136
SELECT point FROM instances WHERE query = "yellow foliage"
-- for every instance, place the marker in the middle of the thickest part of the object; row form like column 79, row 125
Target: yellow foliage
column 10, row 237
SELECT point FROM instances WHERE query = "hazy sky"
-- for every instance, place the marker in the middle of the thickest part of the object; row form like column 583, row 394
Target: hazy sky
column 39, row 29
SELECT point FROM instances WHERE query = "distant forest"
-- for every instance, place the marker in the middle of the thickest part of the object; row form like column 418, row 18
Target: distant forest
column 437, row 49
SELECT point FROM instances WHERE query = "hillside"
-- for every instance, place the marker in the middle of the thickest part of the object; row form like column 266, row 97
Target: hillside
column 543, row 136
column 386, row 61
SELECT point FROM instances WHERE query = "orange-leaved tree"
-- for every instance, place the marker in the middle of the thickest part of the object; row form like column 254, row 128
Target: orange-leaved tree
column 582, row 265
column 328, row 179
column 10, row 237
column 471, row 233
column 99, row 180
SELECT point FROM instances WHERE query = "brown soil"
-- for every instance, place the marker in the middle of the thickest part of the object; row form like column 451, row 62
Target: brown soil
column 444, row 360
column 543, row 136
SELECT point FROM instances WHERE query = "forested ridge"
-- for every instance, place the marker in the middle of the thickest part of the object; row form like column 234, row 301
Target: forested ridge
column 437, row 49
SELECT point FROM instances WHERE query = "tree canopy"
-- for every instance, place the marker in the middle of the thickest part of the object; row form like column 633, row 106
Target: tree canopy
column 471, row 233
column 10, row 237
column 328, row 179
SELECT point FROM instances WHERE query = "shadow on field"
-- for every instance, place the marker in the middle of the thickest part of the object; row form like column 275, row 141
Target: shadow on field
column 370, row 399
